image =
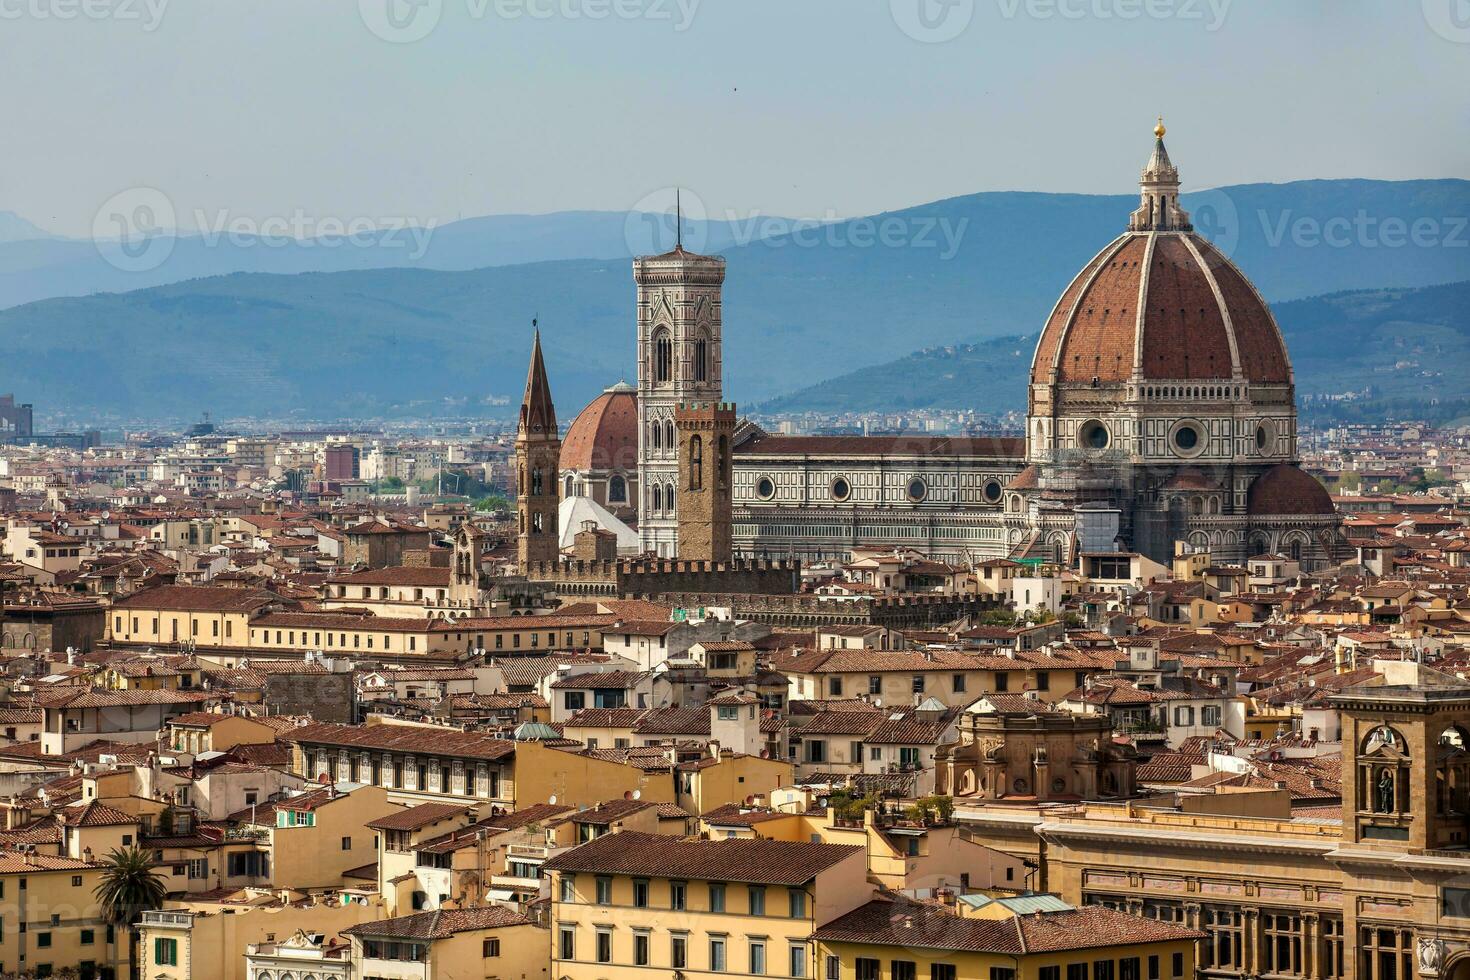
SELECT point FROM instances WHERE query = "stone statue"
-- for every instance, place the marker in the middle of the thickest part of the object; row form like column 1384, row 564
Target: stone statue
column 1385, row 792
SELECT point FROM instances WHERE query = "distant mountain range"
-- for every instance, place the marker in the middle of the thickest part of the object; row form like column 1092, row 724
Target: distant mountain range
column 799, row 308
column 36, row 265
column 1358, row 354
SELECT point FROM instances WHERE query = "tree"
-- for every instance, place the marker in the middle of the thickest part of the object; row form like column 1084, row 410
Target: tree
column 129, row 887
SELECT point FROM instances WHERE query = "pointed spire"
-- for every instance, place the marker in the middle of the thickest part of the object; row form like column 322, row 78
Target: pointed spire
column 538, row 414
column 1158, row 188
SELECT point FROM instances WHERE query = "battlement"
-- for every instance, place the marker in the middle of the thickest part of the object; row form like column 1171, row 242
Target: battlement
column 899, row 611
column 693, row 413
column 547, row 571
column 639, row 578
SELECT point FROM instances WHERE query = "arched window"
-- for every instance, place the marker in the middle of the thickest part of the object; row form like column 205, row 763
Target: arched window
column 669, row 501
column 701, row 359
column 656, row 434
column 669, row 435
column 658, row 498
column 617, row 490
column 571, row 486
column 536, row 526
column 696, row 463
column 1295, row 549
column 536, row 482
column 663, row 356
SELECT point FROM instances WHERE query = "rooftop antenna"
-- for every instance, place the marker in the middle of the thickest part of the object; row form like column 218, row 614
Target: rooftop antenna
column 678, row 221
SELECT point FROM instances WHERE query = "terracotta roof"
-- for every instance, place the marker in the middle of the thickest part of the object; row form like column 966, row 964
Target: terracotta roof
column 85, row 697
column 917, row 925
column 427, row 576
column 994, row 447
column 1198, row 312
column 593, row 680
column 673, row 721
column 913, row 727
column 754, row 861
column 1287, row 489
column 400, row 738
column 604, row 814
column 197, row 598
column 440, row 924
column 94, row 814
column 416, row 817
column 604, row 435
column 842, row 723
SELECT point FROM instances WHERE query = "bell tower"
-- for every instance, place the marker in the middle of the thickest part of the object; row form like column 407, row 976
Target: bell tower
column 679, row 360
column 538, row 455
column 705, row 432
column 1406, row 759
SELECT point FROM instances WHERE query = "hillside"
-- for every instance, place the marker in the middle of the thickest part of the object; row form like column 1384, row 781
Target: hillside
column 798, row 309
column 1409, row 354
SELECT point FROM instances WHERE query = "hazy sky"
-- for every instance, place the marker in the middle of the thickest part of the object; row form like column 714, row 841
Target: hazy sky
column 800, row 107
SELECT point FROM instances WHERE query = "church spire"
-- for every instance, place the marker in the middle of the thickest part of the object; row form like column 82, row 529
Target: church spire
column 538, row 414
column 1158, row 188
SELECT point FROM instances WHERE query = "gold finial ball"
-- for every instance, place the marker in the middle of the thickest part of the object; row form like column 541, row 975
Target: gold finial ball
column 1159, row 129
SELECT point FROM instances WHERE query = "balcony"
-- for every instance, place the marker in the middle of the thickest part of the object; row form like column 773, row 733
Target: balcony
column 175, row 920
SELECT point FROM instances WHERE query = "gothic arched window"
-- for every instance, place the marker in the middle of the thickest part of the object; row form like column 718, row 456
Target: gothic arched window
column 536, row 482
column 696, row 463
column 701, row 359
column 669, row 497
column 669, row 434
column 663, row 356
column 617, row 490
column 658, row 498
column 656, row 434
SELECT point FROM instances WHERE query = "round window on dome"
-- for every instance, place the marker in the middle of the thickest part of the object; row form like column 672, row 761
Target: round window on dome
column 841, row 489
column 992, row 491
column 765, row 488
column 1188, row 439
column 1094, row 435
column 918, row 490
column 1264, row 437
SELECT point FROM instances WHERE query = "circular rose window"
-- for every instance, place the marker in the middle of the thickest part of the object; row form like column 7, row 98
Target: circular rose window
column 841, row 489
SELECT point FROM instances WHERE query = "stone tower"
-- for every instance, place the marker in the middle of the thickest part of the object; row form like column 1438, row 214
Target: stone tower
column 679, row 361
column 538, row 456
column 705, row 432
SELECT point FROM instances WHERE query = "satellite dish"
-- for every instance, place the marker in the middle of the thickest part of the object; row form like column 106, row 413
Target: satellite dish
column 551, row 799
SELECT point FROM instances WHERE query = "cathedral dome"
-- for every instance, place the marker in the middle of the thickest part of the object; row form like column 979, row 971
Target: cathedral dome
column 1288, row 489
column 1200, row 318
column 604, row 435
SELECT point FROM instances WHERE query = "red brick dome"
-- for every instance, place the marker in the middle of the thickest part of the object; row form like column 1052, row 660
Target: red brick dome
column 1288, row 489
column 604, row 435
column 1201, row 320
column 1160, row 303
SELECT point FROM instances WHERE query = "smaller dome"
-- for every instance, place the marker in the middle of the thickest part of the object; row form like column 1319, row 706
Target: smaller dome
column 1288, row 489
column 604, row 435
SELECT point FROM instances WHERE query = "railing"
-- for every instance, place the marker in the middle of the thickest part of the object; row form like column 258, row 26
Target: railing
column 184, row 920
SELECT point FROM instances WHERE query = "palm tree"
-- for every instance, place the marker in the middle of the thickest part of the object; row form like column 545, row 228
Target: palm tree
column 129, row 887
